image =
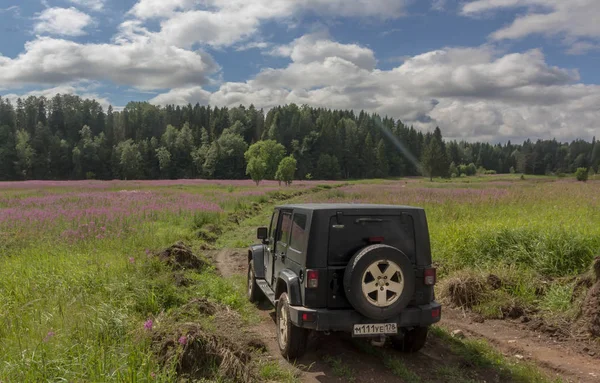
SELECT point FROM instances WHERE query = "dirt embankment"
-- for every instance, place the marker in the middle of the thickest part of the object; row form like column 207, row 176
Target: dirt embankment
column 572, row 350
column 193, row 348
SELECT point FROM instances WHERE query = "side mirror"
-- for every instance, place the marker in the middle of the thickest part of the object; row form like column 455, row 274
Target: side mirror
column 262, row 233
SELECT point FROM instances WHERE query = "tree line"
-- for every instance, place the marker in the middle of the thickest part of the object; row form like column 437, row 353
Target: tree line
column 67, row 137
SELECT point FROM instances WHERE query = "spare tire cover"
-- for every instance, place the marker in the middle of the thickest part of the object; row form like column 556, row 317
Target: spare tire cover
column 379, row 281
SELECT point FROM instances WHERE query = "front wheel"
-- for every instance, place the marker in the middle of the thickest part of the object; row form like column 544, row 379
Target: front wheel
column 412, row 341
column 291, row 339
column 254, row 292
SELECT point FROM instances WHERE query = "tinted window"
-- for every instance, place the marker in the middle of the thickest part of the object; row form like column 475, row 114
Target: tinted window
column 286, row 225
column 353, row 232
column 274, row 220
column 298, row 232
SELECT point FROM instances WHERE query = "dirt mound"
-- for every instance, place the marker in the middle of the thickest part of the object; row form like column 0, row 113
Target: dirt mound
column 180, row 256
column 187, row 341
column 494, row 281
column 464, row 290
column 590, row 310
column 197, row 354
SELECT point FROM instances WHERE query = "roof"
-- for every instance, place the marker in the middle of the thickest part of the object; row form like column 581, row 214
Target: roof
column 346, row 206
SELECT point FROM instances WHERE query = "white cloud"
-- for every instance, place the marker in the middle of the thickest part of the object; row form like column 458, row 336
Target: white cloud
column 573, row 19
column 438, row 5
column 142, row 62
column 222, row 23
column 315, row 48
column 94, row 5
column 149, row 9
column 472, row 93
column 183, row 96
column 253, row 45
column 62, row 22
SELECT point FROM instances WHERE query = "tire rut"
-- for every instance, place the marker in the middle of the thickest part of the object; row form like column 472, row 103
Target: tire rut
column 557, row 358
column 312, row 367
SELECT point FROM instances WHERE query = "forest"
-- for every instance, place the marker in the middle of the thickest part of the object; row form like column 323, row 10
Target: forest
column 67, row 137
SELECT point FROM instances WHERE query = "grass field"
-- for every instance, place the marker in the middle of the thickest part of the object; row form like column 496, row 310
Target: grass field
column 77, row 279
column 79, row 286
column 529, row 233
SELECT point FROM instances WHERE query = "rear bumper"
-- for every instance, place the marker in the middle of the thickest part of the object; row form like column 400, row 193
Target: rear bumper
column 344, row 320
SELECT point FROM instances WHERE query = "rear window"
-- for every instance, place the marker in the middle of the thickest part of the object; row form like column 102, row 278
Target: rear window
column 352, row 232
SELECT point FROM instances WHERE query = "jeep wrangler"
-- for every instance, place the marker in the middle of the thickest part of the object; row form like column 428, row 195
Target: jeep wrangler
column 363, row 269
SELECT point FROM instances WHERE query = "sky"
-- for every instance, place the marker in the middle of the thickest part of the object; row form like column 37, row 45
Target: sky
column 481, row 70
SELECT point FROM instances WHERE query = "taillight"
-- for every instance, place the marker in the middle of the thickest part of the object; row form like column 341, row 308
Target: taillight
column 430, row 277
column 308, row 317
column 312, row 279
column 435, row 313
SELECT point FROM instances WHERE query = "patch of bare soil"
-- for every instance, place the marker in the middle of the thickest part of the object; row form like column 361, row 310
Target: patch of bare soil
column 558, row 356
column 180, row 256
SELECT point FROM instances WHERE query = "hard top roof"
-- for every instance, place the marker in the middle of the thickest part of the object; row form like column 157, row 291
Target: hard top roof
column 346, row 206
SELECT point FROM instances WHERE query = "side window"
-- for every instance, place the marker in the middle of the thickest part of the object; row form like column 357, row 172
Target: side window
column 298, row 232
column 286, row 225
column 274, row 220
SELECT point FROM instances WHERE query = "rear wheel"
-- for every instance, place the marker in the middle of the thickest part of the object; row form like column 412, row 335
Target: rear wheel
column 412, row 341
column 291, row 339
column 379, row 281
column 254, row 292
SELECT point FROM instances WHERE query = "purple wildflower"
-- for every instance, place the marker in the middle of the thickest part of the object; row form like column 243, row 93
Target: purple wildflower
column 49, row 336
column 183, row 340
column 153, row 375
column 148, row 324
column 131, row 260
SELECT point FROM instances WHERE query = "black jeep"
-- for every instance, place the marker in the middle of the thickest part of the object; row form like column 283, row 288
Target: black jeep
column 363, row 269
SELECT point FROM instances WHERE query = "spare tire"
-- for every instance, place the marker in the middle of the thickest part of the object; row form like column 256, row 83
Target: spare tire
column 379, row 281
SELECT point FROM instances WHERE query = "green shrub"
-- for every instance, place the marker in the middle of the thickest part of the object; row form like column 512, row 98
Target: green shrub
column 551, row 252
column 558, row 298
column 581, row 174
column 202, row 218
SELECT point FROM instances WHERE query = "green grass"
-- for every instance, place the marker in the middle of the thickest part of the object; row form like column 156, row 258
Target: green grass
column 452, row 374
column 525, row 231
column 273, row 371
column 398, row 368
column 76, row 311
column 339, row 368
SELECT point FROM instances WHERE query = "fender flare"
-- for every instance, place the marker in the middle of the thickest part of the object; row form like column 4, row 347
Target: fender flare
column 288, row 281
column 256, row 255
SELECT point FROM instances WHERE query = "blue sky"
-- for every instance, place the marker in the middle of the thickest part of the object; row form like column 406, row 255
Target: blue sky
column 479, row 69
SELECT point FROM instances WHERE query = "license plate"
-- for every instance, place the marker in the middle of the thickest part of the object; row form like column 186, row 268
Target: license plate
column 375, row 329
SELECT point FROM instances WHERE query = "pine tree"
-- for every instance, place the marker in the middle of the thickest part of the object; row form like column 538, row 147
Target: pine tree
column 435, row 159
column 383, row 166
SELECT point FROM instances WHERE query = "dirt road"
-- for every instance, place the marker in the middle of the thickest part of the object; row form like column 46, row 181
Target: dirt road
column 338, row 358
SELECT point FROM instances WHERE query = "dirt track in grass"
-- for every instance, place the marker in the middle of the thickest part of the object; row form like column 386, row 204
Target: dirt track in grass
column 339, row 358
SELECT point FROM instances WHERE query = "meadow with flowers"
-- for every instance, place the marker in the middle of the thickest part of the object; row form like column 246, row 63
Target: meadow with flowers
column 78, row 280
column 79, row 285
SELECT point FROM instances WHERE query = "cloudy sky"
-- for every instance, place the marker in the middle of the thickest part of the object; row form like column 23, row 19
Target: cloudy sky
column 480, row 69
